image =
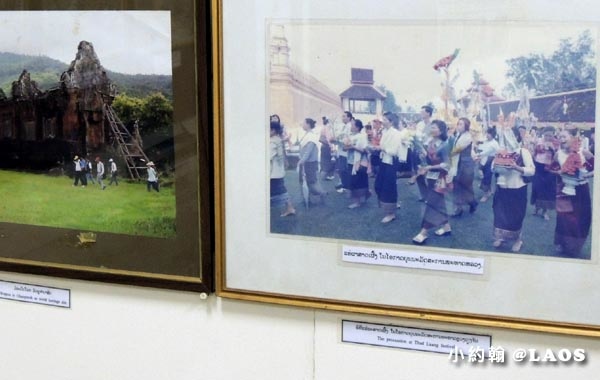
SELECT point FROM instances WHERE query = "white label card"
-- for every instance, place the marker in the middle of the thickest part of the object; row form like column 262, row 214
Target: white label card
column 412, row 338
column 42, row 295
column 418, row 260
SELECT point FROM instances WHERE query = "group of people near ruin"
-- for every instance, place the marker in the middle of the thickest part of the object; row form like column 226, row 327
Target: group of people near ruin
column 443, row 162
column 83, row 170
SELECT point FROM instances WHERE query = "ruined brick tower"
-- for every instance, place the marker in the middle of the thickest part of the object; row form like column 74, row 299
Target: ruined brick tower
column 40, row 129
column 87, row 89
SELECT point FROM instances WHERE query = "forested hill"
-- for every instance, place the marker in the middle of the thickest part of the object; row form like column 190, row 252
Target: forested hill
column 46, row 72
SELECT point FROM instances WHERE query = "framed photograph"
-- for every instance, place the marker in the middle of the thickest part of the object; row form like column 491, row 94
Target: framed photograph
column 104, row 148
column 427, row 160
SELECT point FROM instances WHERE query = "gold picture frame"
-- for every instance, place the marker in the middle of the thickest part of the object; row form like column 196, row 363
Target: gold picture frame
column 252, row 263
column 169, row 41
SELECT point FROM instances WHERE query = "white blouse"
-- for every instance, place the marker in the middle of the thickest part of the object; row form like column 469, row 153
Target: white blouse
column 277, row 157
column 389, row 144
column 488, row 150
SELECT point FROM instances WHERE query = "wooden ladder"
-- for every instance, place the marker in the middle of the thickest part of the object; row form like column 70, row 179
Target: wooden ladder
column 127, row 145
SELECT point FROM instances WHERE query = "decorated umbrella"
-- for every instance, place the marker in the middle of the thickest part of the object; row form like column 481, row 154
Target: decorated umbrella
column 443, row 64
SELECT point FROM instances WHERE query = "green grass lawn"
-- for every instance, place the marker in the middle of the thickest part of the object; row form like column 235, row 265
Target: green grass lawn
column 42, row 200
column 470, row 232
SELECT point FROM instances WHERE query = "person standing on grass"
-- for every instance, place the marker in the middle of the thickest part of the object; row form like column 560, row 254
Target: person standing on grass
column 83, row 165
column 152, row 177
column 89, row 172
column 100, row 173
column 113, row 173
column 78, row 172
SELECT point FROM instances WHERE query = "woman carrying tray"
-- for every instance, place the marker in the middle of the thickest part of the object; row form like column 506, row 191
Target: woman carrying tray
column 573, row 202
column 511, row 164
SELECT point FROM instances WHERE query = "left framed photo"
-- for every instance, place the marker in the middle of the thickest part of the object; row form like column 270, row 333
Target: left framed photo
column 104, row 141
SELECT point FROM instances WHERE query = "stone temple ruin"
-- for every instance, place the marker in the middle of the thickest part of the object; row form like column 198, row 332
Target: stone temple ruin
column 44, row 129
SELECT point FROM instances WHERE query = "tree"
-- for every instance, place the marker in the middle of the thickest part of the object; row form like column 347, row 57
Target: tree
column 128, row 108
column 154, row 114
column 389, row 104
column 570, row 67
column 156, row 128
column 157, row 115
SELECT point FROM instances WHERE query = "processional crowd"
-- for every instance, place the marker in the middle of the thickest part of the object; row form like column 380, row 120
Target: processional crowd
column 443, row 162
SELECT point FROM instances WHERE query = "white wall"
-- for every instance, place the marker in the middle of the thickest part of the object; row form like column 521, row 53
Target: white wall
column 120, row 332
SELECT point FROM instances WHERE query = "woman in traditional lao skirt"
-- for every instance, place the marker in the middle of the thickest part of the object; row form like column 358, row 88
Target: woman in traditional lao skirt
column 573, row 202
column 358, row 163
column 279, row 194
column 374, row 138
column 543, row 190
column 308, row 163
column 435, row 172
column 385, row 182
column 511, row 164
column 464, row 168
column 327, row 158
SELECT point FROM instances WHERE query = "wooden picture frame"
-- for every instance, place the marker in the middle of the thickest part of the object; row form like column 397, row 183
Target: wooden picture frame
column 167, row 240
column 333, row 272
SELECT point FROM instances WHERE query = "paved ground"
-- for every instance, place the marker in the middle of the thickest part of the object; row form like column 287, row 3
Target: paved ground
column 471, row 232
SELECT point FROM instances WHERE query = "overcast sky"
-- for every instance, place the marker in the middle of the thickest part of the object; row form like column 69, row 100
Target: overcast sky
column 131, row 42
column 402, row 56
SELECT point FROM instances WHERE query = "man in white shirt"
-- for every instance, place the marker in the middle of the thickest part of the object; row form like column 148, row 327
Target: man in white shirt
column 88, row 172
column 113, row 173
column 424, row 126
column 78, row 172
column 100, row 173
column 152, row 177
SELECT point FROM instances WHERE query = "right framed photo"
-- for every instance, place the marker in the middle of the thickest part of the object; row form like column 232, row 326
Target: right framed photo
column 409, row 164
